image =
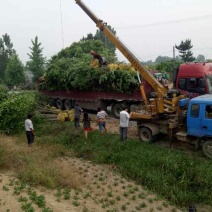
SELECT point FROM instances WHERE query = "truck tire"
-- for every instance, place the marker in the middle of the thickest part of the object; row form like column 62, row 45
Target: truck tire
column 67, row 104
column 145, row 134
column 207, row 149
column 52, row 102
column 116, row 109
column 59, row 104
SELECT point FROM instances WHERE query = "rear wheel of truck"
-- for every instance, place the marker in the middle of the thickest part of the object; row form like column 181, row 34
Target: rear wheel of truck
column 59, row 104
column 52, row 102
column 67, row 104
column 207, row 149
column 116, row 109
column 145, row 134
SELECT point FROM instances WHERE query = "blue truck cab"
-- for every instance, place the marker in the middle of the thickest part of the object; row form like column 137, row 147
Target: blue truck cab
column 199, row 121
column 199, row 116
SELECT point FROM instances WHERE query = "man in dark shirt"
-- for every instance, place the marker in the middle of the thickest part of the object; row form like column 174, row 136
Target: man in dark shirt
column 102, row 61
column 77, row 112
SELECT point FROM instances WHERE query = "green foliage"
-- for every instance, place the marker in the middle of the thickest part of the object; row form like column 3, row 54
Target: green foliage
column 6, row 51
column 167, row 67
column 200, row 58
column 184, row 49
column 100, row 36
column 3, row 92
column 160, row 59
column 70, row 70
column 70, row 73
column 37, row 61
column 80, row 51
column 14, row 110
column 14, row 74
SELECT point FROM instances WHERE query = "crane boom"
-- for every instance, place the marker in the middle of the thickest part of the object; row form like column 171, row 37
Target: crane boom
column 166, row 101
column 160, row 89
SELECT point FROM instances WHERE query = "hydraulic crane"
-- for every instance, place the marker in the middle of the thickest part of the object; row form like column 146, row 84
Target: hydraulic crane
column 168, row 112
column 165, row 101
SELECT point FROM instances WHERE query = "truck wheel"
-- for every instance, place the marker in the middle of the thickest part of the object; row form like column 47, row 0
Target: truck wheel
column 67, row 104
column 52, row 102
column 207, row 149
column 145, row 134
column 116, row 109
column 59, row 104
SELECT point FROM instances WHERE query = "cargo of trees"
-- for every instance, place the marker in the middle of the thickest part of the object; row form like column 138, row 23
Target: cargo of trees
column 92, row 88
column 70, row 78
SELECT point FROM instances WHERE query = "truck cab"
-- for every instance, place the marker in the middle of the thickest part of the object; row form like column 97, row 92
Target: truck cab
column 199, row 116
column 199, row 123
column 193, row 79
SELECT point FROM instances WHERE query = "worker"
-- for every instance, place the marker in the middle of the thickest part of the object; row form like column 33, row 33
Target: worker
column 102, row 60
column 124, row 122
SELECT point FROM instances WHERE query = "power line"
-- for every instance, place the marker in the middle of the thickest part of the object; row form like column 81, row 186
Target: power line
column 159, row 54
column 168, row 22
column 61, row 22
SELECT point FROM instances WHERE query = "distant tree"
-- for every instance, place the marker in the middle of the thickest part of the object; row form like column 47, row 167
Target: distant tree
column 6, row 51
column 200, row 58
column 178, row 59
column 185, row 52
column 209, row 60
column 100, row 36
column 167, row 66
column 89, row 36
column 36, row 64
column 14, row 73
column 160, row 59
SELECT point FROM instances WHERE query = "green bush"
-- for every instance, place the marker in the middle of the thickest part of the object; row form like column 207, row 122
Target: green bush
column 14, row 110
column 3, row 92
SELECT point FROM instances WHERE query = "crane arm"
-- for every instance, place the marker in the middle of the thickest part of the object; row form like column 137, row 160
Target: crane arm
column 161, row 91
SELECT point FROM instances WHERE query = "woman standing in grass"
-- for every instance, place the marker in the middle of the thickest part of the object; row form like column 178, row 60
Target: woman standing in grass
column 86, row 124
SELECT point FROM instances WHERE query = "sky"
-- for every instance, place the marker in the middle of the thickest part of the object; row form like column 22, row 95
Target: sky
column 148, row 28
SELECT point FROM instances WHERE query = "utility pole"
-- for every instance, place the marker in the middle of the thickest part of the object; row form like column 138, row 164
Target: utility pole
column 174, row 53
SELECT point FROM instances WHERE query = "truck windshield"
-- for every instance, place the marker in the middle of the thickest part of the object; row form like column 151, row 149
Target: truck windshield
column 209, row 82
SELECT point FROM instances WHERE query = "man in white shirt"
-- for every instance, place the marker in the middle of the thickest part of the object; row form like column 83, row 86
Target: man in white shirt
column 29, row 130
column 124, row 122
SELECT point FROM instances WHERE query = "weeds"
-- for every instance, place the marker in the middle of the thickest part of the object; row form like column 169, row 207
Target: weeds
column 27, row 207
column 124, row 207
column 67, row 193
column 58, row 193
column 22, row 199
column 75, row 203
column 5, row 188
column 118, row 198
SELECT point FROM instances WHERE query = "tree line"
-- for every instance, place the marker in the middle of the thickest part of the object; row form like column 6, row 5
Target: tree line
column 14, row 73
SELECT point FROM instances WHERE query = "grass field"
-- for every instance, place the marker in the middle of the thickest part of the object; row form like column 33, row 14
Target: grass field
column 180, row 178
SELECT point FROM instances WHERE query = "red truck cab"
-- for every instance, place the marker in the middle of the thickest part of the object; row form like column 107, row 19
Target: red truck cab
column 193, row 79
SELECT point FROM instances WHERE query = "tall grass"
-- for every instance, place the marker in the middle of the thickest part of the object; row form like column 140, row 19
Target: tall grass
column 180, row 178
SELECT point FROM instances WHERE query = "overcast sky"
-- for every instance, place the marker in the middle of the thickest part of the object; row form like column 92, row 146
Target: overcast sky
column 148, row 28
